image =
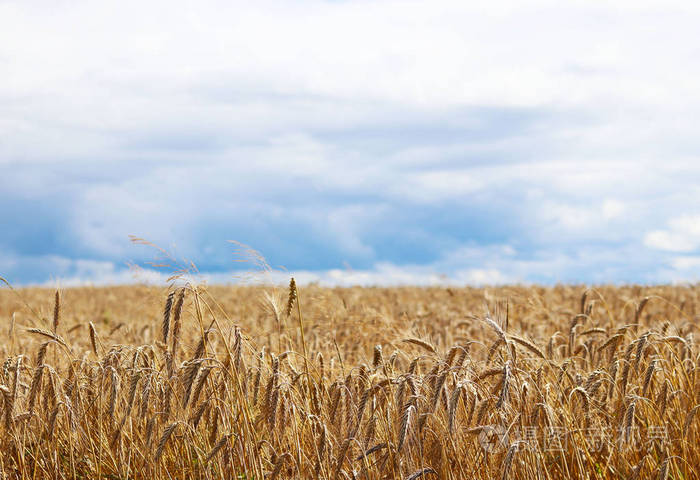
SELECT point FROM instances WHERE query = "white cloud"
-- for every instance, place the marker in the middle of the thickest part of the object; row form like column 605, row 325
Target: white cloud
column 126, row 65
column 583, row 220
column 473, row 265
column 682, row 235
column 612, row 209
column 516, row 141
column 686, row 263
column 384, row 274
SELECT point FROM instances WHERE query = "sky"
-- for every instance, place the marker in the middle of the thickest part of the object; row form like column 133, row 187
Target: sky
column 351, row 142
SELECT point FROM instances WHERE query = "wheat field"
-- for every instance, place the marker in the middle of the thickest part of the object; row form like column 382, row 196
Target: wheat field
column 263, row 382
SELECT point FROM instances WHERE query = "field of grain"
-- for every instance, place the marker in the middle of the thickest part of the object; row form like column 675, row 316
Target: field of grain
column 368, row 383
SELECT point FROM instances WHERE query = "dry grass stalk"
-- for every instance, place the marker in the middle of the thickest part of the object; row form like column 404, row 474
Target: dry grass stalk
column 420, row 473
column 421, row 343
column 410, row 414
column 167, row 433
column 165, row 329
column 56, row 311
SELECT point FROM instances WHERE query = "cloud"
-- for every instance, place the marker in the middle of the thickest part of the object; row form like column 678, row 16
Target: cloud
column 582, row 218
column 682, row 235
column 475, row 265
column 687, row 262
column 456, row 141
